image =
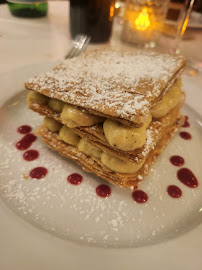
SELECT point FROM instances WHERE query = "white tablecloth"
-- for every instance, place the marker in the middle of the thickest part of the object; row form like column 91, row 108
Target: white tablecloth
column 29, row 41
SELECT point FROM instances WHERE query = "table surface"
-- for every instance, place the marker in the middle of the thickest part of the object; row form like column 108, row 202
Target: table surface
column 26, row 42
column 30, row 41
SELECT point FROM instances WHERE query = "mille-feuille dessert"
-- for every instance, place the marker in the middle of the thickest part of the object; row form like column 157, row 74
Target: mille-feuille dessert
column 112, row 112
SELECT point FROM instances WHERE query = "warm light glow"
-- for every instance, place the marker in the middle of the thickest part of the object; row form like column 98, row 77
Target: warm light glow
column 111, row 12
column 142, row 22
column 184, row 26
column 117, row 5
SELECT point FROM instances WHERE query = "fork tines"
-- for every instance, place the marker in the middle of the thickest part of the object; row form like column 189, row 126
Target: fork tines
column 79, row 44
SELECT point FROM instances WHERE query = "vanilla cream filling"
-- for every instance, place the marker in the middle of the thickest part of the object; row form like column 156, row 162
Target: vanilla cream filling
column 118, row 136
column 69, row 136
column 129, row 139
column 118, row 165
column 75, row 117
column 35, row 97
column 169, row 101
column 71, row 115
column 126, row 138
column 56, row 105
column 52, row 124
column 89, row 149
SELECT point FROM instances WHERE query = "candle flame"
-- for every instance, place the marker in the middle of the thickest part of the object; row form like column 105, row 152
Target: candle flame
column 142, row 22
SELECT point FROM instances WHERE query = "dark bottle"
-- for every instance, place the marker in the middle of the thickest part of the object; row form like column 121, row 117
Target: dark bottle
column 27, row 8
column 93, row 18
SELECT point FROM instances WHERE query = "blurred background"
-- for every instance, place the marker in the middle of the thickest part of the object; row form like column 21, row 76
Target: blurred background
column 43, row 31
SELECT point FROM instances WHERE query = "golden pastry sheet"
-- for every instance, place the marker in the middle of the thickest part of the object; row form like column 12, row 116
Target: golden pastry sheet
column 93, row 165
column 118, row 85
column 96, row 137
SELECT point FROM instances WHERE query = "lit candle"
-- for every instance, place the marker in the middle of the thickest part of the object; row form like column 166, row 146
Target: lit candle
column 142, row 22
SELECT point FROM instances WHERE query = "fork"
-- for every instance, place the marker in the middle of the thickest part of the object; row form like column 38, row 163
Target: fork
column 80, row 43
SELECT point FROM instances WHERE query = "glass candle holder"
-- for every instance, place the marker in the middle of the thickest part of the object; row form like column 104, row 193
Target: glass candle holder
column 143, row 21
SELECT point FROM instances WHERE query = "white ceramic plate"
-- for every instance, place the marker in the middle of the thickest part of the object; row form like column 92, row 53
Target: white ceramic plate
column 83, row 222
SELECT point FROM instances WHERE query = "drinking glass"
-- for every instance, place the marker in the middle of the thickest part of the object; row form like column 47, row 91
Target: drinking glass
column 93, row 18
column 192, row 62
column 182, row 25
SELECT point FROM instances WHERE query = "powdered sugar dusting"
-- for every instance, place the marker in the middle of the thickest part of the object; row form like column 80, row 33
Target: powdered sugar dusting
column 121, row 84
column 150, row 141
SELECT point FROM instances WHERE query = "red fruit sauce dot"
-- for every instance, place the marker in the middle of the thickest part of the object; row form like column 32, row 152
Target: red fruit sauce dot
column 26, row 141
column 186, row 123
column 177, row 160
column 185, row 135
column 38, row 172
column 75, row 179
column 174, row 191
column 187, row 178
column 103, row 191
column 24, row 129
column 30, row 155
column 139, row 196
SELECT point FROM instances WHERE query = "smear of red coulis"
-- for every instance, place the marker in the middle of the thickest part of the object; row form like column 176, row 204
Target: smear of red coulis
column 24, row 129
column 75, row 179
column 30, row 155
column 174, row 191
column 26, row 141
column 186, row 122
column 103, row 191
column 177, row 160
column 38, row 172
column 139, row 196
column 187, row 177
column 185, row 135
